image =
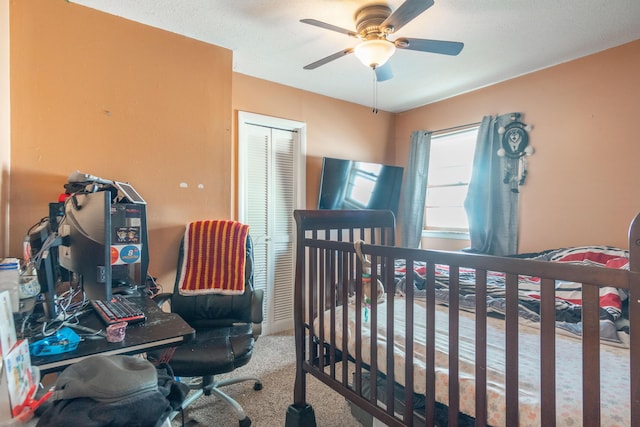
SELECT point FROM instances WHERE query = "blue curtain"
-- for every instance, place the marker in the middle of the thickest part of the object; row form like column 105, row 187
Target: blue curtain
column 491, row 206
column 415, row 189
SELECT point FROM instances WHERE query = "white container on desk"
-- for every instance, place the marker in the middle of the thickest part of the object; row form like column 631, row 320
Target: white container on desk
column 10, row 280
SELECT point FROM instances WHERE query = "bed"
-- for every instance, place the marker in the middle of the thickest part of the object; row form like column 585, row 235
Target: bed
column 542, row 339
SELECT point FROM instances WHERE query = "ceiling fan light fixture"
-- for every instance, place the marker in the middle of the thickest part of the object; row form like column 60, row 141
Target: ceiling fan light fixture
column 374, row 53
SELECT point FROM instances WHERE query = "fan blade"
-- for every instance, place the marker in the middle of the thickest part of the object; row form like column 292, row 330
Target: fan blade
column 329, row 27
column 384, row 72
column 405, row 13
column 328, row 59
column 433, row 46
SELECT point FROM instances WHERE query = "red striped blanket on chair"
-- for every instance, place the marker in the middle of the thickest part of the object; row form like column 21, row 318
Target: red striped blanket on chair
column 214, row 258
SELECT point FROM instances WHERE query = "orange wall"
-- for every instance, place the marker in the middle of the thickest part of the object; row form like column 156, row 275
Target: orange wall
column 582, row 186
column 334, row 128
column 5, row 134
column 124, row 101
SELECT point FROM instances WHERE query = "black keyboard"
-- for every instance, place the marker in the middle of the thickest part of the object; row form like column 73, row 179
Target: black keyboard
column 118, row 309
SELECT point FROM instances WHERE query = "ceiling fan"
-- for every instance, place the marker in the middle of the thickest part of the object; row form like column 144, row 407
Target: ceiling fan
column 374, row 24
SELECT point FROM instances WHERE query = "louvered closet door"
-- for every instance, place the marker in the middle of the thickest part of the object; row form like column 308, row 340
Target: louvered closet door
column 270, row 190
column 257, row 200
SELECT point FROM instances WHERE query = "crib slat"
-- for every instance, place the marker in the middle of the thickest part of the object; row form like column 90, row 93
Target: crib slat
column 316, row 274
column 358, row 320
column 389, row 385
column 548, row 352
column 345, row 267
column 590, row 356
column 408, row 396
column 330, row 279
column 430, row 413
column 481, row 347
column 511, row 344
column 373, row 322
column 454, row 350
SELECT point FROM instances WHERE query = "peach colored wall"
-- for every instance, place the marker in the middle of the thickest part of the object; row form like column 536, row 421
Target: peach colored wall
column 582, row 186
column 124, row 101
column 334, row 128
column 118, row 99
column 5, row 152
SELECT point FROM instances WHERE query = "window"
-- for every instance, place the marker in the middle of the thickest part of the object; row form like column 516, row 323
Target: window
column 450, row 162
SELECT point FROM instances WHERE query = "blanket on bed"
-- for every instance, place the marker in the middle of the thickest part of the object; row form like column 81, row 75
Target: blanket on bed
column 568, row 294
column 614, row 395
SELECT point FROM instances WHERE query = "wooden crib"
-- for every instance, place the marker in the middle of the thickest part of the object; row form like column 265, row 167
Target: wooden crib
column 482, row 341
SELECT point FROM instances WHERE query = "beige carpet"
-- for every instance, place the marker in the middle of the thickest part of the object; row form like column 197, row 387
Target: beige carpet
column 273, row 362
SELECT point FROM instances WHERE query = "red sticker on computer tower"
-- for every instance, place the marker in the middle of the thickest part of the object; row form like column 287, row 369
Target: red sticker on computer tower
column 115, row 254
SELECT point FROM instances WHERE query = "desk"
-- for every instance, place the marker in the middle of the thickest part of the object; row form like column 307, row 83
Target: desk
column 160, row 330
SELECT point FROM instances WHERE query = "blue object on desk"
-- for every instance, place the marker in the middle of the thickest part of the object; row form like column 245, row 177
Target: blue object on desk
column 61, row 342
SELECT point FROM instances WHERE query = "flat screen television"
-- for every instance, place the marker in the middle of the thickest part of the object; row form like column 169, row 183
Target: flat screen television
column 351, row 184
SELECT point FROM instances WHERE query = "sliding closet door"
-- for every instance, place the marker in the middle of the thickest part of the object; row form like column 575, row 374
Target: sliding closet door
column 269, row 189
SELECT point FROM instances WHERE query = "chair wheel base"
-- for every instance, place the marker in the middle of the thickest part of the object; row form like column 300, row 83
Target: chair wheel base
column 246, row 422
column 257, row 386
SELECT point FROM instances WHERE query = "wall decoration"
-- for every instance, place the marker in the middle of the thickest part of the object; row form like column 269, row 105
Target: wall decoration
column 514, row 151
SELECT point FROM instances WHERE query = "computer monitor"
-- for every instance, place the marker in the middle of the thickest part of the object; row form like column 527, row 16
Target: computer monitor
column 44, row 254
column 104, row 243
column 86, row 242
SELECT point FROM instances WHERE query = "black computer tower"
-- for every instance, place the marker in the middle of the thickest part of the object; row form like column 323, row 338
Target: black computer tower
column 129, row 245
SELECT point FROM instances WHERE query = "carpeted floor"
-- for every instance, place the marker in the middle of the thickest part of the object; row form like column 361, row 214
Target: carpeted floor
column 272, row 361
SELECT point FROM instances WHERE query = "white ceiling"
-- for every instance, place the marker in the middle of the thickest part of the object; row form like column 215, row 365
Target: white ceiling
column 502, row 39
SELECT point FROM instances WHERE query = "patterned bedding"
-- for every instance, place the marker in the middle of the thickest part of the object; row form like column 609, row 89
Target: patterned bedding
column 613, row 329
column 614, row 364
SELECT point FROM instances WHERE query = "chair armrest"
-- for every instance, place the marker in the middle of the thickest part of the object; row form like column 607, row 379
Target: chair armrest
column 256, row 305
column 257, row 296
column 160, row 299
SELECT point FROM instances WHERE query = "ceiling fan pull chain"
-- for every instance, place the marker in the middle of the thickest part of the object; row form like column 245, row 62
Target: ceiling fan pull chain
column 375, row 92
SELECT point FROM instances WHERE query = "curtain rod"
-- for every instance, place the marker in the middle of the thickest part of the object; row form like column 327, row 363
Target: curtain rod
column 468, row 125
column 272, row 127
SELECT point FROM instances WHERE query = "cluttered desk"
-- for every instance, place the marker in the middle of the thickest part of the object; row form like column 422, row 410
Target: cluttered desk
column 89, row 259
column 159, row 329
column 31, row 348
column 94, row 241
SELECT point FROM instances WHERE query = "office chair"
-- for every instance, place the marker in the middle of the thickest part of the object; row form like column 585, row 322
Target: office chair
column 226, row 328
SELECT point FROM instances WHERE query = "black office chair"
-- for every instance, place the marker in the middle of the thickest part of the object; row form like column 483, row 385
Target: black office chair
column 226, row 329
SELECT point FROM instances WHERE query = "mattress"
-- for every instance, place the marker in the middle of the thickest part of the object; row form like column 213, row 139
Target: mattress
column 614, row 364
